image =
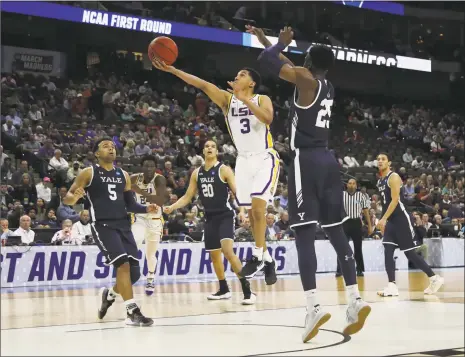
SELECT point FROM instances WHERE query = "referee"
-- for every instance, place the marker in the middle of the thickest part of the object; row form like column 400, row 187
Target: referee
column 354, row 203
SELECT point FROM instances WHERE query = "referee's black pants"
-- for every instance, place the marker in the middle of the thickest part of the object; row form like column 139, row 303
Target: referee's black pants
column 353, row 230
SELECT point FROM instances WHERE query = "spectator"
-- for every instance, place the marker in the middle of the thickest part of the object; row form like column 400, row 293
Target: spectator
column 10, row 130
column 50, row 221
column 66, row 235
column 67, row 212
column 283, row 198
column 283, row 223
column 73, row 171
column 407, row 157
column 129, row 150
column 56, row 200
column 369, row 162
column 142, row 149
column 17, row 178
column 7, row 171
column 43, row 190
column 350, row 161
column 26, row 192
column 25, row 231
column 82, row 228
column 41, row 209
column 272, row 231
column 244, row 232
column 5, row 199
column 418, row 163
column 5, row 230
column 3, row 156
column 409, row 191
column 126, row 134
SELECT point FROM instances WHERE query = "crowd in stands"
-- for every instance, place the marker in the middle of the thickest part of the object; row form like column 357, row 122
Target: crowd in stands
column 49, row 126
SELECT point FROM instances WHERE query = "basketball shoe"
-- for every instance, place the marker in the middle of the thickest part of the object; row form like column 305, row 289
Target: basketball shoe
column 357, row 313
column 249, row 298
column 105, row 303
column 252, row 267
column 313, row 321
column 270, row 273
column 435, row 283
column 150, row 286
column 389, row 290
column 220, row 295
column 135, row 318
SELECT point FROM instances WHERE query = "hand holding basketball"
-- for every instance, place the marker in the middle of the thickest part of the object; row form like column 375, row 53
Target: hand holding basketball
column 163, row 49
column 162, row 66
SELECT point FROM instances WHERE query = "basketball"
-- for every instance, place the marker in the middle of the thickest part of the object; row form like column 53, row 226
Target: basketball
column 163, row 48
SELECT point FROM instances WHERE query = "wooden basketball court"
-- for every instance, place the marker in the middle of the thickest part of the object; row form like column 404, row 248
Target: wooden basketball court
column 63, row 320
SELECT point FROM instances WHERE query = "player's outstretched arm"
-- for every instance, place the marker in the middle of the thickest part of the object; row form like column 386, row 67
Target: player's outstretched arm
column 188, row 196
column 218, row 96
column 76, row 191
column 261, row 37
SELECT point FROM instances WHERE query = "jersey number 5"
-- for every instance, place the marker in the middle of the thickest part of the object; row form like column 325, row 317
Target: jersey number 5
column 207, row 190
column 112, row 192
column 245, row 122
column 325, row 112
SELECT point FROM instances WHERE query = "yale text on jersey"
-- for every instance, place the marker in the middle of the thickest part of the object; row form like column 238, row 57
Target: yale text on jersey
column 111, row 179
column 207, row 179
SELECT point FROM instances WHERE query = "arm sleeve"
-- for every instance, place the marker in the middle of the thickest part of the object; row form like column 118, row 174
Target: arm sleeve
column 132, row 205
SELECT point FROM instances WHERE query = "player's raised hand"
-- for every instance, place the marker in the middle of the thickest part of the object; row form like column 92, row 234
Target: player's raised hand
column 286, row 35
column 257, row 32
column 168, row 209
column 162, row 66
column 152, row 208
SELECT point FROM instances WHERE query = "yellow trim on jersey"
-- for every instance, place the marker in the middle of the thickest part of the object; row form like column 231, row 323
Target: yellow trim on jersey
column 269, row 138
column 226, row 118
column 275, row 176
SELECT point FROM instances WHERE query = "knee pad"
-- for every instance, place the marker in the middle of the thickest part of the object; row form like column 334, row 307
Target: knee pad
column 135, row 273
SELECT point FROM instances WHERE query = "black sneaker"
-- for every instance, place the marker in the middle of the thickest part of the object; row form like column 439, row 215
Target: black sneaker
column 137, row 319
column 105, row 303
column 251, row 267
column 270, row 273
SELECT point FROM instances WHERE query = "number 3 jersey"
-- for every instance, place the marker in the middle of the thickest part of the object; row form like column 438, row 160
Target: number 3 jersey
column 150, row 189
column 247, row 132
column 213, row 191
column 309, row 126
column 105, row 195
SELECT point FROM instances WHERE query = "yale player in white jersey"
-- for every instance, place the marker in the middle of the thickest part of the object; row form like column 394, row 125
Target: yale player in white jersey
column 248, row 118
column 148, row 227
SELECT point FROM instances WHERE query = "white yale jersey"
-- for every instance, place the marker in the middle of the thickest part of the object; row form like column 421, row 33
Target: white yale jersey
column 247, row 132
column 150, row 189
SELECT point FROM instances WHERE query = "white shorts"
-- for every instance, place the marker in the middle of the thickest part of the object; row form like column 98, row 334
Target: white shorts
column 256, row 176
column 146, row 229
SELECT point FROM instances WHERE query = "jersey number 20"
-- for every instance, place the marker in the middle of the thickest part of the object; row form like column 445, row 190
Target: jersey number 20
column 207, row 190
column 322, row 120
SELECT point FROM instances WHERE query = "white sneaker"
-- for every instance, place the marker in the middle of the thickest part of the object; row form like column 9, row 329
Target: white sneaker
column 389, row 290
column 249, row 301
column 435, row 283
column 150, row 286
column 313, row 321
column 219, row 296
column 357, row 313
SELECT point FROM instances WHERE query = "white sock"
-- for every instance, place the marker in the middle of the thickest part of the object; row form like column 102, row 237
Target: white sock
column 353, row 292
column 131, row 305
column 258, row 252
column 267, row 257
column 111, row 294
column 151, row 248
column 311, row 299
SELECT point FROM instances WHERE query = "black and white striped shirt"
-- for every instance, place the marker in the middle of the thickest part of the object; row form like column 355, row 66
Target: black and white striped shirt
column 355, row 203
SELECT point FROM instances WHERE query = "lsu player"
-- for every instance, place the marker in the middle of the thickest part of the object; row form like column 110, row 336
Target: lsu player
column 248, row 118
column 148, row 227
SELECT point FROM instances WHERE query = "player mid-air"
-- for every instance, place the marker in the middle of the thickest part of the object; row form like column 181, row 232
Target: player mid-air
column 108, row 191
column 398, row 231
column 315, row 187
column 148, row 227
column 212, row 182
column 248, row 118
